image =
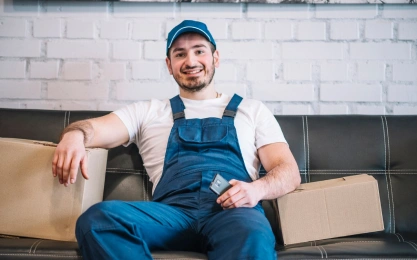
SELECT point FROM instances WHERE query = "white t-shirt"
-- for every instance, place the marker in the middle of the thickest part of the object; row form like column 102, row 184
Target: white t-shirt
column 149, row 124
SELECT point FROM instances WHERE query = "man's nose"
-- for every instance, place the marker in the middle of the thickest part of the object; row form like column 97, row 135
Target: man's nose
column 191, row 60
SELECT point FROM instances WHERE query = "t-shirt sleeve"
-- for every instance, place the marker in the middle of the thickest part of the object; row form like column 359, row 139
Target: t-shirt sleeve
column 131, row 117
column 268, row 130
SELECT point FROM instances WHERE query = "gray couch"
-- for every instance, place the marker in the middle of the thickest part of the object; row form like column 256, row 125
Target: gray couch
column 325, row 147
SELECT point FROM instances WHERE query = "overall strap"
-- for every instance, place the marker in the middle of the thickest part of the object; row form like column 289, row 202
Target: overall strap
column 231, row 108
column 177, row 107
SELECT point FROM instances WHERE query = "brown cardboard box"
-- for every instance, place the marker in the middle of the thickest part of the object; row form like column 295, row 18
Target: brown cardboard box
column 32, row 202
column 331, row 208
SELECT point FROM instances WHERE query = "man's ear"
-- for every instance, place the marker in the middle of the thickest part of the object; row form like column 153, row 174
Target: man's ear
column 216, row 58
column 168, row 62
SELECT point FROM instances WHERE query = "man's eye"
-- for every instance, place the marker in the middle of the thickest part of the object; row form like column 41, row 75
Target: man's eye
column 200, row 52
column 179, row 55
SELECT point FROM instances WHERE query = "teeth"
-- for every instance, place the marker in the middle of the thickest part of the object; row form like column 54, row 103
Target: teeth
column 193, row 72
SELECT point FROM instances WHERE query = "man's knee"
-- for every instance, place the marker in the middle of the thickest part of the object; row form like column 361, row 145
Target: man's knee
column 97, row 215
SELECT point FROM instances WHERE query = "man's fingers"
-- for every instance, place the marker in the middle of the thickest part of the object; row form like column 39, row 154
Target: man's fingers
column 75, row 164
column 66, row 169
column 84, row 166
column 230, row 192
column 59, row 168
column 234, row 201
column 54, row 162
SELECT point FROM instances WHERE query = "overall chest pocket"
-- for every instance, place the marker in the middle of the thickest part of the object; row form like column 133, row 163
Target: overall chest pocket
column 203, row 134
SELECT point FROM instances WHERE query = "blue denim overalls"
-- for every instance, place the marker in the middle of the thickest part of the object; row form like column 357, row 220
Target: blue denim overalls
column 184, row 214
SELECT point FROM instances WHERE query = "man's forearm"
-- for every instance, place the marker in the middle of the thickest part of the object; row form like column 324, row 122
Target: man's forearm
column 281, row 180
column 84, row 126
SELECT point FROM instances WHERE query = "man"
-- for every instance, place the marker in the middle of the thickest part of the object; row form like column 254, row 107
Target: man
column 184, row 143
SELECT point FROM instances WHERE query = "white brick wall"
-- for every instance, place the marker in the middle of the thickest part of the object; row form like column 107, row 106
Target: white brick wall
column 370, row 110
column 146, row 70
column 80, row 29
column 114, row 29
column 145, row 91
column 313, row 50
column 402, row 93
column 288, row 109
column 20, row 89
column 278, row 11
column 113, row 71
column 351, row 92
column 44, row 28
column 334, row 71
column 12, row 27
column 405, row 72
column 77, row 49
column 283, row 92
column 340, row 11
column 380, row 51
column 311, row 31
column 20, row 48
column 127, row 50
column 407, row 31
column 147, row 30
column 297, row 71
column 76, row 70
column 44, row 69
column 77, row 91
column 400, row 11
column 333, row 109
column 279, row 31
column 260, row 71
column 12, row 69
column 226, row 72
column 371, row 70
column 379, row 29
column 298, row 59
column 344, row 30
column 246, row 30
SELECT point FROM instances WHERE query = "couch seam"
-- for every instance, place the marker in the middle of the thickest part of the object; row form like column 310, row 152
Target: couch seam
column 308, row 152
column 386, row 178
column 30, row 249
column 415, row 248
column 365, row 170
column 34, row 250
column 37, row 255
column 305, row 152
column 399, row 240
column 401, row 236
column 321, row 253
column 68, row 118
column 324, row 250
column 355, row 173
column 389, row 175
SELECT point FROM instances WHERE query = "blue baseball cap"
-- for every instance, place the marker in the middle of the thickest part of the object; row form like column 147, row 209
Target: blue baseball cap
column 189, row 26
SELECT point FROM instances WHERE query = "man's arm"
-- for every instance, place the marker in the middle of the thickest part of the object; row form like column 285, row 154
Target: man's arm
column 105, row 132
column 282, row 177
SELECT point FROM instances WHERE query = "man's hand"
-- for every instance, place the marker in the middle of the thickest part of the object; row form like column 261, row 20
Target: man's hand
column 241, row 194
column 69, row 155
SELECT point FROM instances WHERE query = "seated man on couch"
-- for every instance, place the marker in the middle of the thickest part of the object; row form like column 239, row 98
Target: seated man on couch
column 184, row 143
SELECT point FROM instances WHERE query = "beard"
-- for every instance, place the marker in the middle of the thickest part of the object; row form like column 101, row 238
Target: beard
column 195, row 84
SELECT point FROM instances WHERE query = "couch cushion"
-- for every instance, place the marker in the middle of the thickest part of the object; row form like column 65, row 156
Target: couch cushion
column 366, row 246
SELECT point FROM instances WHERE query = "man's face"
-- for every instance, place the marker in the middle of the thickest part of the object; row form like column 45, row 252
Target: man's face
column 192, row 62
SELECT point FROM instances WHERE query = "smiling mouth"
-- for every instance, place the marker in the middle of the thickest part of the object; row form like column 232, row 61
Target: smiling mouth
column 192, row 72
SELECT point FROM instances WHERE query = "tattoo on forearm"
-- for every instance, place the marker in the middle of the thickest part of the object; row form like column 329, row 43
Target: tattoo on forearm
column 84, row 127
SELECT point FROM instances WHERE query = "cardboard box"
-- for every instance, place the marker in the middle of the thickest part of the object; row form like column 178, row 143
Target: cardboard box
column 331, row 208
column 32, row 202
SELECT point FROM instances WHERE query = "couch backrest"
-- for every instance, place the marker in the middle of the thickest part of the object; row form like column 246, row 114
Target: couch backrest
column 325, row 147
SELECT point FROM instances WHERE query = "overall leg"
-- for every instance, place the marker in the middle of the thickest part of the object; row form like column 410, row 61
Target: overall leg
column 130, row 230
column 241, row 233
